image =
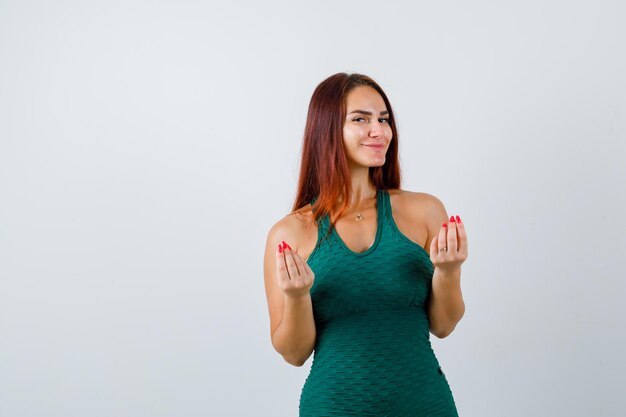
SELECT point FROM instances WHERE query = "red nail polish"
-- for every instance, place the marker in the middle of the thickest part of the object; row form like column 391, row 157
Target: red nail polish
column 458, row 219
column 288, row 247
column 444, row 225
column 280, row 248
column 452, row 219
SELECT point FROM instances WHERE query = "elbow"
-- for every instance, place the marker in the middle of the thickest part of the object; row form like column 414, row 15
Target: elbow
column 297, row 359
column 293, row 358
column 443, row 329
column 298, row 362
column 442, row 333
column 295, row 354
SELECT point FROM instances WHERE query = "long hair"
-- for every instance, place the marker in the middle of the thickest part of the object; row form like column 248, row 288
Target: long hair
column 324, row 172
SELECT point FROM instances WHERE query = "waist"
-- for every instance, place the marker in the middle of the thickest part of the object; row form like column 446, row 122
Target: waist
column 374, row 359
column 375, row 336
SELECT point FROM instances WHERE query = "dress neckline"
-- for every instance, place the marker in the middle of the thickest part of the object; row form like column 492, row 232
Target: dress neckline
column 379, row 228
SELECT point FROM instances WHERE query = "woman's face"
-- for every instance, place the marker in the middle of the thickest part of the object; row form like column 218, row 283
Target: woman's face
column 366, row 130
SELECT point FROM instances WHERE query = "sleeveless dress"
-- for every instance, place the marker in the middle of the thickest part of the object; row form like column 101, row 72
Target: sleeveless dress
column 372, row 354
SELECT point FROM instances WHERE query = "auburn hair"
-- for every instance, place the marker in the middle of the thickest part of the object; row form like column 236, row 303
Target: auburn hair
column 324, row 172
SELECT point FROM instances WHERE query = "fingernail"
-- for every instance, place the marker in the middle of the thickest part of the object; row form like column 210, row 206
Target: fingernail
column 444, row 225
column 452, row 219
column 458, row 219
column 280, row 248
column 286, row 246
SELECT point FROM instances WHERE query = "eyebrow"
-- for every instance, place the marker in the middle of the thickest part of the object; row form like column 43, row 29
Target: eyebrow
column 369, row 113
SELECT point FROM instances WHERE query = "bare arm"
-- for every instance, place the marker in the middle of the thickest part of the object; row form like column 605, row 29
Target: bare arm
column 288, row 280
column 295, row 336
column 446, row 306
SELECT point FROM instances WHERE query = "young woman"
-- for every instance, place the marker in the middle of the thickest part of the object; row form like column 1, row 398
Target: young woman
column 361, row 272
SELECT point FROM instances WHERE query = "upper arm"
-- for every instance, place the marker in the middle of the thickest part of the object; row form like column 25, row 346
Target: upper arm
column 429, row 212
column 278, row 233
column 436, row 216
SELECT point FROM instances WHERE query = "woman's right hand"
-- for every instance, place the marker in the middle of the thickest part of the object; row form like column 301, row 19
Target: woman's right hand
column 295, row 277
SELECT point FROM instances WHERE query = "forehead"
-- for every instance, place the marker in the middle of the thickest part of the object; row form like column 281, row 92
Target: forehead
column 365, row 97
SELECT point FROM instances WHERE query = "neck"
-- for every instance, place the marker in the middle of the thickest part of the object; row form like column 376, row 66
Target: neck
column 363, row 191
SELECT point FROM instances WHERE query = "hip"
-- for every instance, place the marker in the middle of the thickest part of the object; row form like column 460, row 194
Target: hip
column 372, row 393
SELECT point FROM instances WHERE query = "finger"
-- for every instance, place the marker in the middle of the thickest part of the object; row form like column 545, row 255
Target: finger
column 460, row 227
column 300, row 264
column 291, row 264
column 452, row 235
column 308, row 269
column 442, row 244
column 281, row 266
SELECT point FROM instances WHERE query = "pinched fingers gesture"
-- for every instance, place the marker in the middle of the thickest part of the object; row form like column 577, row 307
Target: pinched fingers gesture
column 448, row 250
column 295, row 277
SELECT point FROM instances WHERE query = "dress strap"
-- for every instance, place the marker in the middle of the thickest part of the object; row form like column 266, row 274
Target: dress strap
column 322, row 221
column 385, row 206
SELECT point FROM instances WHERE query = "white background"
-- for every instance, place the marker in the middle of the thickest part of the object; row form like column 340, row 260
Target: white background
column 146, row 148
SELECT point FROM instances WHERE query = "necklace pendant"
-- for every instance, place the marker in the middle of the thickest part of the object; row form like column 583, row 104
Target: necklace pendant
column 359, row 216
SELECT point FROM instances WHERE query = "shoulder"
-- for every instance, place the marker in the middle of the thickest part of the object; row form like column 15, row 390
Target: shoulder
column 427, row 207
column 291, row 228
column 415, row 199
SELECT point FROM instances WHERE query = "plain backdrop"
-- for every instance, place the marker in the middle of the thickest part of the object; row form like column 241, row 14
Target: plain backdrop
column 146, row 148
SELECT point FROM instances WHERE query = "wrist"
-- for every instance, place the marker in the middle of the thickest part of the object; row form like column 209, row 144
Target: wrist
column 297, row 297
column 448, row 273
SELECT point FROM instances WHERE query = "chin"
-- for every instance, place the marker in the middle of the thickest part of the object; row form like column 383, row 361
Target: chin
column 374, row 164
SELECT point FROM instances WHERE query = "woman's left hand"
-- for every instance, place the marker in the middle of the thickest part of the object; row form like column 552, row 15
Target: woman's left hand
column 452, row 237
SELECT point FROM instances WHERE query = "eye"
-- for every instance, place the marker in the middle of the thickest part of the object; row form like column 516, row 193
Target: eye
column 386, row 119
column 358, row 118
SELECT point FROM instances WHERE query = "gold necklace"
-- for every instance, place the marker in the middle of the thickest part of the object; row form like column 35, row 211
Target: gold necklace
column 359, row 216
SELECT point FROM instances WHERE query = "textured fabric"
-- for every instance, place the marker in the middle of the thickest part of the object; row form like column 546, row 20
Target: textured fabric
column 373, row 355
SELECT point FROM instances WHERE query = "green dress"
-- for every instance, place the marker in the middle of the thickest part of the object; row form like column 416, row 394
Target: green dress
column 373, row 355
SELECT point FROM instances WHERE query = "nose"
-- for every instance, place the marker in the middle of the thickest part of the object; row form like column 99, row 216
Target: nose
column 376, row 129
